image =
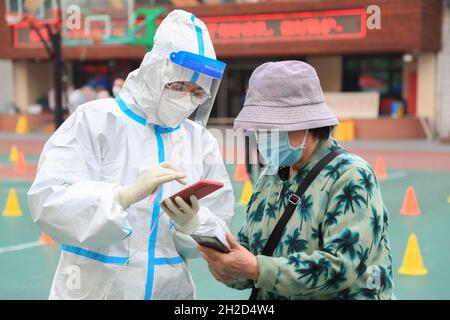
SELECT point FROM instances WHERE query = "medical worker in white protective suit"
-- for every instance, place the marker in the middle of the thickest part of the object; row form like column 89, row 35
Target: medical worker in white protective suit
column 103, row 173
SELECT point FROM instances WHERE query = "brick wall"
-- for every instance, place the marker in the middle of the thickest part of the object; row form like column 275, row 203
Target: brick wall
column 406, row 25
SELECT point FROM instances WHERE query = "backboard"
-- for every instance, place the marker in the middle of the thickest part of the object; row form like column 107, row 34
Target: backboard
column 18, row 11
column 108, row 22
column 83, row 22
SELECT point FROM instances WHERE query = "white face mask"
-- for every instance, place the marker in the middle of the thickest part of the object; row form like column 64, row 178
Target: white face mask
column 175, row 107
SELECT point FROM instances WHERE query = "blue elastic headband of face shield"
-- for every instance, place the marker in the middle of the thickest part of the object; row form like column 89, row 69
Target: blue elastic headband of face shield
column 198, row 63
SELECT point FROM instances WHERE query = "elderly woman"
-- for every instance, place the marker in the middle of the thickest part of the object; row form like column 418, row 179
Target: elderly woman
column 316, row 226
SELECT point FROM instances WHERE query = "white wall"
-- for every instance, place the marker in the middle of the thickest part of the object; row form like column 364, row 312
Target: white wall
column 6, row 88
column 427, row 88
column 32, row 80
column 443, row 94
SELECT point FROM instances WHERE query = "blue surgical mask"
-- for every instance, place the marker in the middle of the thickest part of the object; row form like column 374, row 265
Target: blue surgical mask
column 277, row 150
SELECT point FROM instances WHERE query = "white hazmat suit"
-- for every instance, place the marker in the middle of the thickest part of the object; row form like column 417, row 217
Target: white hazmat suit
column 109, row 252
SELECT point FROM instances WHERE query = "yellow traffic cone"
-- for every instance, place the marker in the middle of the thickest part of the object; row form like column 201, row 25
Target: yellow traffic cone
column 22, row 125
column 14, row 154
column 339, row 131
column 12, row 208
column 412, row 260
column 247, row 192
column 350, row 131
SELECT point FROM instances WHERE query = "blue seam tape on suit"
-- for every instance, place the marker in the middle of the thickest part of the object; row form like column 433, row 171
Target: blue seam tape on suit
column 125, row 109
column 201, row 47
column 94, row 255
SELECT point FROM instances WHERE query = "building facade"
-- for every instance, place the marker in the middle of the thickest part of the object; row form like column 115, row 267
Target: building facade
column 391, row 52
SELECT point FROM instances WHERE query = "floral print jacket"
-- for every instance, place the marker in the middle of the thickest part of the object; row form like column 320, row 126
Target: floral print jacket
column 335, row 246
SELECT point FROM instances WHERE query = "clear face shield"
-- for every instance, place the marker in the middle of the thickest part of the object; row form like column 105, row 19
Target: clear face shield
column 204, row 84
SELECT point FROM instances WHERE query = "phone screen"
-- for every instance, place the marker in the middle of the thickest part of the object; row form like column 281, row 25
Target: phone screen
column 211, row 242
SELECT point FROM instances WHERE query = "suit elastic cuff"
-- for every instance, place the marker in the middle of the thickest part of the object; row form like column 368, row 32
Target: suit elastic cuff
column 268, row 273
column 190, row 227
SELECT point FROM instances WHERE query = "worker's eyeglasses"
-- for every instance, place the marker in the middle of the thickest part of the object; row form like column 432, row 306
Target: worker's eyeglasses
column 198, row 95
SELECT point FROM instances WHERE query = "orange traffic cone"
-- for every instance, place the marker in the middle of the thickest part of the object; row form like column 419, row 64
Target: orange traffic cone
column 410, row 206
column 45, row 239
column 240, row 175
column 380, row 170
column 21, row 164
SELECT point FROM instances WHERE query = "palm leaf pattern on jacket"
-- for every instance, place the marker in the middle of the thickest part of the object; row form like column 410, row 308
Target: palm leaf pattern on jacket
column 346, row 294
column 345, row 243
column 376, row 227
column 312, row 270
column 334, row 171
column 350, row 196
column 294, row 243
column 304, row 208
column 316, row 234
column 335, row 279
column 258, row 214
column 271, row 212
column 331, row 219
column 256, row 244
column 367, row 182
column 363, row 255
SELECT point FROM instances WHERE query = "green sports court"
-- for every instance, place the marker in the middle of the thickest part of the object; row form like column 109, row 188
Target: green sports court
column 27, row 266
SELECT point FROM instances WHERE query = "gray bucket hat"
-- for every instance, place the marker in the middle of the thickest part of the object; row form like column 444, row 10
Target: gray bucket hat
column 287, row 96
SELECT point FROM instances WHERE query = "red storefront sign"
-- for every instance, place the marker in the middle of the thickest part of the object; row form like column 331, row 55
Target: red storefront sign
column 303, row 26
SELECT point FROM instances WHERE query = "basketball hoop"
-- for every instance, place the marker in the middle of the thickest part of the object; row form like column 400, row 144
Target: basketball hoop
column 97, row 39
column 13, row 19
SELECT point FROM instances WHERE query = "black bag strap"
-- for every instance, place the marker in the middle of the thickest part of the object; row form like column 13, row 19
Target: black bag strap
column 294, row 199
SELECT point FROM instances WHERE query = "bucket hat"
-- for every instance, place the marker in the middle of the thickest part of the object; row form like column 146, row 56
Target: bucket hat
column 287, row 96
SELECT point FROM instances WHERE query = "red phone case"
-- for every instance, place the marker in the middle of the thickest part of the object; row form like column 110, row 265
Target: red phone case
column 200, row 189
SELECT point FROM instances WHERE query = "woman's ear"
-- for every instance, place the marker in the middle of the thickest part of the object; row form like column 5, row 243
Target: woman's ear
column 296, row 137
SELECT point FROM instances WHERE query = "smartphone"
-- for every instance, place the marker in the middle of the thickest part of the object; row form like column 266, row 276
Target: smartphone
column 199, row 189
column 211, row 242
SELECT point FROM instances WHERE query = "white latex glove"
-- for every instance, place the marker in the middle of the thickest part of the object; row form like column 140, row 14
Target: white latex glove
column 184, row 215
column 148, row 183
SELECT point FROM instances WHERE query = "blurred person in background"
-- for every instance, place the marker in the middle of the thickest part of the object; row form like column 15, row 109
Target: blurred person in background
column 117, row 86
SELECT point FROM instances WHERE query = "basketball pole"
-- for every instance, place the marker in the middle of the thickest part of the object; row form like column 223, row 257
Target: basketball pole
column 54, row 52
column 55, row 38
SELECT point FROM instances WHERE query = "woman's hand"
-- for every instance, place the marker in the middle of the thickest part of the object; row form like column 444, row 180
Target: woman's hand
column 238, row 264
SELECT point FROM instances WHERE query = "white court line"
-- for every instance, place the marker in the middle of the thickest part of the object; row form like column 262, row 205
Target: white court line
column 19, row 247
column 393, row 176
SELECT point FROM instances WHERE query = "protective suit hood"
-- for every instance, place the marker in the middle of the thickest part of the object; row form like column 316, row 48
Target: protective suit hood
column 179, row 31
